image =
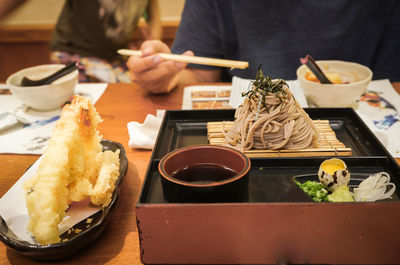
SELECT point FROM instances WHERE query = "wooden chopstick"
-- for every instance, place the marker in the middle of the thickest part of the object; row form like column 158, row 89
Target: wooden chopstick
column 192, row 59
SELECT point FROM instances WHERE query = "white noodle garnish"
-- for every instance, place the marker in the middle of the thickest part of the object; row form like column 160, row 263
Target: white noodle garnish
column 374, row 188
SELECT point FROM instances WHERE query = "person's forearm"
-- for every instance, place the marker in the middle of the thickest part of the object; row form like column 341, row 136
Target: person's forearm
column 154, row 23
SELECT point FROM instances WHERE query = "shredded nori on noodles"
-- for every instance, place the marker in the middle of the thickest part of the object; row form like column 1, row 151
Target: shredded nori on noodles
column 264, row 85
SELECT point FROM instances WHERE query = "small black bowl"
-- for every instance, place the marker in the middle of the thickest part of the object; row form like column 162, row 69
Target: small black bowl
column 73, row 241
column 231, row 189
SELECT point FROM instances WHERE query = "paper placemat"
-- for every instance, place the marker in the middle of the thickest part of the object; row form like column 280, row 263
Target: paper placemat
column 32, row 138
column 379, row 108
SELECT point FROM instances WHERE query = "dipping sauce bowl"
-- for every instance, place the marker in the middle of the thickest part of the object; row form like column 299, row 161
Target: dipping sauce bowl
column 205, row 173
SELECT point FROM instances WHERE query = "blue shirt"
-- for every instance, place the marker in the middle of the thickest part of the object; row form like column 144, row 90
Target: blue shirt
column 277, row 33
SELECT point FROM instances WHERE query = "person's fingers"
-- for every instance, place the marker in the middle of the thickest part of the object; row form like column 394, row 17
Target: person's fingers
column 182, row 65
column 157, row 80
column 163, row 71
column 140, row 64
column 155, row 66
column 155, row 86
column 148, row 59
column 154, row 73
column 188, row 53
column 154, row 46
column 161, row 86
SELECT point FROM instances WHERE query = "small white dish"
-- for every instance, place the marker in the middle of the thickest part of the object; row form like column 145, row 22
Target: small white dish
column 45, row 97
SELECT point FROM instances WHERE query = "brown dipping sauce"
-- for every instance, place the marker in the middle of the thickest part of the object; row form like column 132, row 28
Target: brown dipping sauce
column 203, row 173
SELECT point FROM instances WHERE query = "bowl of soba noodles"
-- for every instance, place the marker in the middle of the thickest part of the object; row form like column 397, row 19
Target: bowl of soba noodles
column 205, row 173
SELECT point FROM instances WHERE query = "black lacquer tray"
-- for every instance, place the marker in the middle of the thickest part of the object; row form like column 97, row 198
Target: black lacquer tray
column 278, row 222
column 272, row 180
column 184, row 128
column 70, row 242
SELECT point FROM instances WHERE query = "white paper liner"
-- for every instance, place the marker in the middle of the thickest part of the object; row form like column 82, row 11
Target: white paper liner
column 14, row 212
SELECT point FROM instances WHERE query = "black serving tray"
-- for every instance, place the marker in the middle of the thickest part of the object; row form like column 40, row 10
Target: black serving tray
column 189, row 127
column 277, row 223
column 73, row 241
column 271, row 179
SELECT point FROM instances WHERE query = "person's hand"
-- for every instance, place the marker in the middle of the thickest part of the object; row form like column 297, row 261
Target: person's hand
column 153, row 73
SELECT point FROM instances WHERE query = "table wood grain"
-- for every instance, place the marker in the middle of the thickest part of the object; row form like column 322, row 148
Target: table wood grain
column 119, row 243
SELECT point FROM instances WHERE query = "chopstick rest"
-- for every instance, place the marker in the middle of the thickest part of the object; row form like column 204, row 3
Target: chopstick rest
column 192, row 59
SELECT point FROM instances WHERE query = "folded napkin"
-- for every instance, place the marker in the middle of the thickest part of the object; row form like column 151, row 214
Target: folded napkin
column 143, row 135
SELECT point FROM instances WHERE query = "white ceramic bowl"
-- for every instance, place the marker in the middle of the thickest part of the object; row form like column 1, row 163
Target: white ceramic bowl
column 336, row 95
column 46, row 97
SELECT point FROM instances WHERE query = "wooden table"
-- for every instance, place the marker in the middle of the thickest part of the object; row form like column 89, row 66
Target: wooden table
column 119, row 243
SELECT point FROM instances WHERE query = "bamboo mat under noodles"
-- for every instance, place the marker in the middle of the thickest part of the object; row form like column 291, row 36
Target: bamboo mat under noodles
column 329, row 145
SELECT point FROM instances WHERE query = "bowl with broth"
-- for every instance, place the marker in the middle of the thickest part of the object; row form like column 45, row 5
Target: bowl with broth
column 205, row 173
column 350, row 80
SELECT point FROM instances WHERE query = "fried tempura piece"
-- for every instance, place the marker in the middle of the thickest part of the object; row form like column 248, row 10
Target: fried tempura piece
column 85, row 164
column 69, row 170
column 101, row 193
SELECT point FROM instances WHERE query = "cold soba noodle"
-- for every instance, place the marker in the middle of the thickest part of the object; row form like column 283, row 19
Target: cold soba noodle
column 270, row 118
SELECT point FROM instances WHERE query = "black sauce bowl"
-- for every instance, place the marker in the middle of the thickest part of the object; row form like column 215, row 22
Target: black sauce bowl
column 233, row 189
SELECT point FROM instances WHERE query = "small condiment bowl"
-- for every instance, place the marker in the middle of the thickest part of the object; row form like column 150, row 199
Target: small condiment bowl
column 356, row 78
column 45, row 97
column 231, row 189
